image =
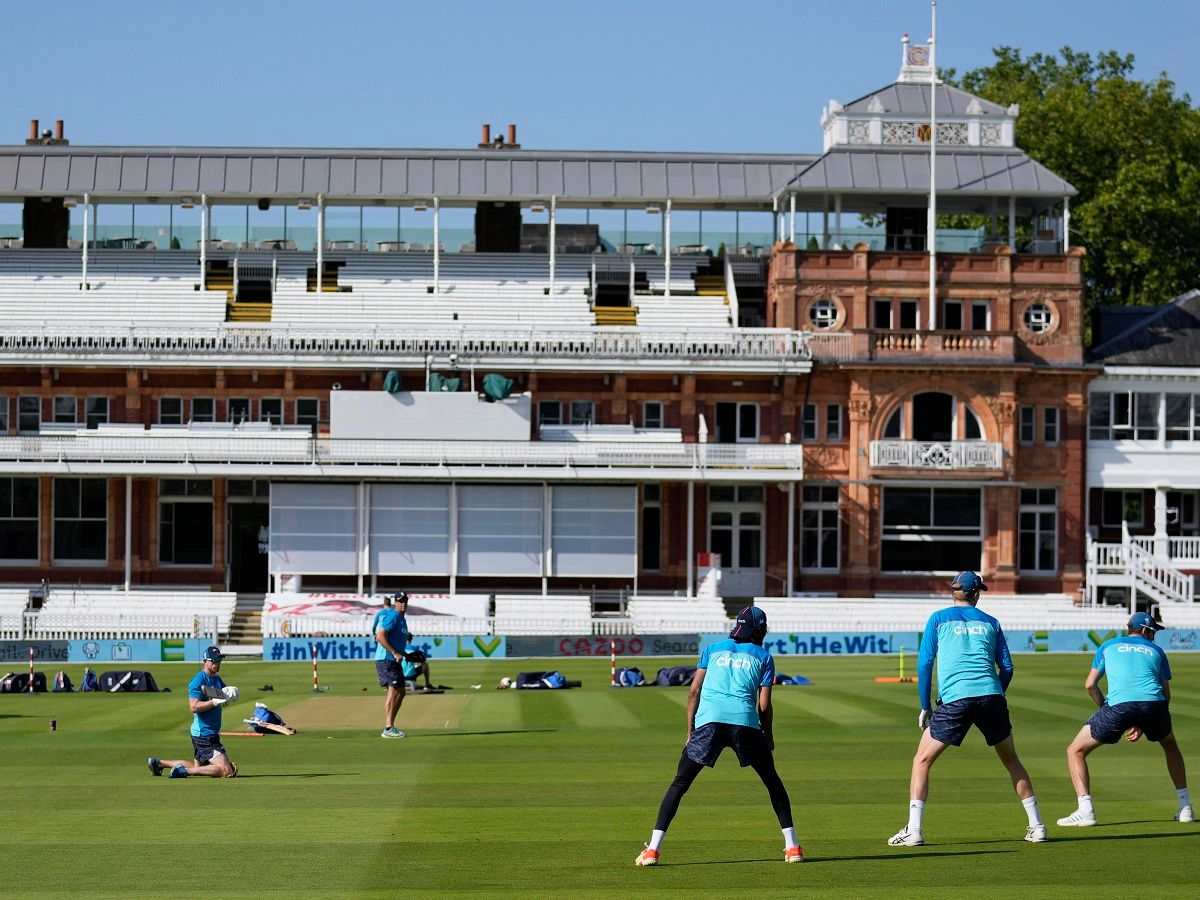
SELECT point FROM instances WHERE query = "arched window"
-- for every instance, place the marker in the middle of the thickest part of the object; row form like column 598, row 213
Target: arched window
column 933, row 416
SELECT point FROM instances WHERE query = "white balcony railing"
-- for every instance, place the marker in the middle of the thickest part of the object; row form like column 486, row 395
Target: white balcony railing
column 33, row 339
column 1179, row 549
column 300, row 448
column 937, row 454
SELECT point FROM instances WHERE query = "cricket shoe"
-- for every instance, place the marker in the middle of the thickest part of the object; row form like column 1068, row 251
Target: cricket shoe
column 1185, row 815
column 906, row 837
column 1078, row 819
column 178, row 772
column 647, row 857
column 392, row 732
column 1036, row 834
column 793, row 854
column 154, row 765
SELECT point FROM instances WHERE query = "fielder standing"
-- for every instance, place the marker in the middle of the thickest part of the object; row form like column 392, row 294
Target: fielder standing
column 731, row 708
column 974, row 669
column 1139, row 696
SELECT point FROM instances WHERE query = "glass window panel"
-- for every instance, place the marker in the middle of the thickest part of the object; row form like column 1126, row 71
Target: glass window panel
column 1098, row 417
column 1178, row 417
column 1027, row 424
column 95, row 411
column 583, row 412
column 3, row 415
column 721, row 493
column 170, row 410
column 64, row 410
column 894, row 426
column 747, row 421
column 204, row 409
column 833, row 421
column 1146, row 416
column 808, row 422
column 908, row 314
column 906, row 507
column 1050, row 425
column 29, row 413
column 882, row 314
column 750, row 493
column 979, row 317
column 749, row 548
column 953, row 311
column 549, row 412
column 652, row 414
column 956, row 508
column 972, row 430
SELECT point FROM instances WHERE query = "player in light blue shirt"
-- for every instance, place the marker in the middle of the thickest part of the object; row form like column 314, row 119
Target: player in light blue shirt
column 390, row 628
column 729, row 705
column 973, row 672
column 207, row 693
column 1138, row 702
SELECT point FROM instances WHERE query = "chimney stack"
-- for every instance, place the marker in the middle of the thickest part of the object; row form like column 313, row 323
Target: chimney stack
column 512, row 135
column 33, row 130
column 58, row 129
column 485, row 139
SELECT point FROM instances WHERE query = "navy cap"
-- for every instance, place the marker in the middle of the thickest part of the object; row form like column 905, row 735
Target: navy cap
column 750, row 621
column 1138, row 621
column 968, row 581
column 213, row 654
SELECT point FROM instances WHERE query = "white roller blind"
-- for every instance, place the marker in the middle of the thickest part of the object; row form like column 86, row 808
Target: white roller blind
column 594, row 530
column 410, row 529
column 313, row 528
column 500, row 529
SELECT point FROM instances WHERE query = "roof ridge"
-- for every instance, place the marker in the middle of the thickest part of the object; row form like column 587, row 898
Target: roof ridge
column 1150, row 319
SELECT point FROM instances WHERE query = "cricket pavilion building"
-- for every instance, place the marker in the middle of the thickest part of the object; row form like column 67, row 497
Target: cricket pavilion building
column 229, row 368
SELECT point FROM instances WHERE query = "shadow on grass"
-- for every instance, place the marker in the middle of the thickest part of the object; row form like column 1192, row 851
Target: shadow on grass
column 1083, row 838
column 475, row 733
column 811, row 860
column 17, row 716
column 299, row 775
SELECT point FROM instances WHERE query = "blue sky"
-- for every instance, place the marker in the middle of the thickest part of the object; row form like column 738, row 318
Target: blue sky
column 707, row 76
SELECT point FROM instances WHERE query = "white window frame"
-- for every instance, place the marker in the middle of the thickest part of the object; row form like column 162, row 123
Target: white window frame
column 987, row 315
column 60, row 416
column 1027, row 425
column 1037, row 508
column 229, row 401
column 192, row 410
column 588, row 419
column 87, row 413
column 264, row 416
column 834, row 416
column 161, row 401
column 186, row 497
column 545, row 405
column 653, row 415
column 823, row 314
column 1140, row 522
column 303, row 418
column 821, row 506
column 1051, row 424
column 21, row 414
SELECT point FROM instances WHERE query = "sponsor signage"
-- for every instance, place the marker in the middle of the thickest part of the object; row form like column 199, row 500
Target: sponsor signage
column 435, row 647
column 626, row 645
column 341, row 606
column 43, row 651
column 865, row 643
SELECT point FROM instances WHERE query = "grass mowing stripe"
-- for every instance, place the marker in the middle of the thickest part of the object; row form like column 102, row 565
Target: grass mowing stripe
column 833, row 709
column 604, row 711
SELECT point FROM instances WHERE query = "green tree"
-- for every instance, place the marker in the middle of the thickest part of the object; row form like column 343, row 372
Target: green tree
column 1132, row 150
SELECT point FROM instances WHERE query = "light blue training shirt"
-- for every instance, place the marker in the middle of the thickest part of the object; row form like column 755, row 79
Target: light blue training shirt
column 396, row 628
column 207, row 723
column 733, row 674
column 969, row 647
column 1136, row 669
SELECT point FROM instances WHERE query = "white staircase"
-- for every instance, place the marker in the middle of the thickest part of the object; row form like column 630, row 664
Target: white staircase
column 1133, row 566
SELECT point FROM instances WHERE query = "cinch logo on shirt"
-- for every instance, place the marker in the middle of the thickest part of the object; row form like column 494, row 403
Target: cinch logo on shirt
column 970, row 629
column 733, row 662
column 1133, row 648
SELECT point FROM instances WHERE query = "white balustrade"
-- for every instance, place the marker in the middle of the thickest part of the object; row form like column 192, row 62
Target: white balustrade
column 937, row 454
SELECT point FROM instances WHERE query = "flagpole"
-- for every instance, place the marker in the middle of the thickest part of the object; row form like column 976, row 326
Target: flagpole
column 932, row 226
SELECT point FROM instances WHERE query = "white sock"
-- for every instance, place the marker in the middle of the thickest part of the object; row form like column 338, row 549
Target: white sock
column 656, row 838
column 1031, row 810
column 916, row 809
column 1085, row 805
column 1183, row 797
column 789, row 838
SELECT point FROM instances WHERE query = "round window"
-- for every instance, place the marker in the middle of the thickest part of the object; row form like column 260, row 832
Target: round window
column 823, row 313
column 1038, row 318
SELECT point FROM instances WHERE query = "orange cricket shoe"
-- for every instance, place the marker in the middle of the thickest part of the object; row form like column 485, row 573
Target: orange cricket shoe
column 793, row 854
column 647, row 857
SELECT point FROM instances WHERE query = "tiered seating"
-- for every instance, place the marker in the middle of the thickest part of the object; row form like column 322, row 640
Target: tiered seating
column 12, row 607
column 885, row 614
column 660, row 615
column 147, row 613
column 543, row 615
column 476, row 290
column 1180, row 615
column 124, row 287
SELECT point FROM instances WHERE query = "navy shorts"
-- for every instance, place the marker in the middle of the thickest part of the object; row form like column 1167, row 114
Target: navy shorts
column 707, row 742
column 206, row 747
column 390, row 672
column 1110, row 722
column 952, row 721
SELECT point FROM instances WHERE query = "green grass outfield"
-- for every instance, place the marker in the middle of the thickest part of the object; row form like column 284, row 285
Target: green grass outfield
column 523, row 793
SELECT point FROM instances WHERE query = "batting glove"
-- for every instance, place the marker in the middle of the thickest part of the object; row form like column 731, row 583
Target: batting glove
column 219, row 701
column 923, row 719
column 231, row 693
